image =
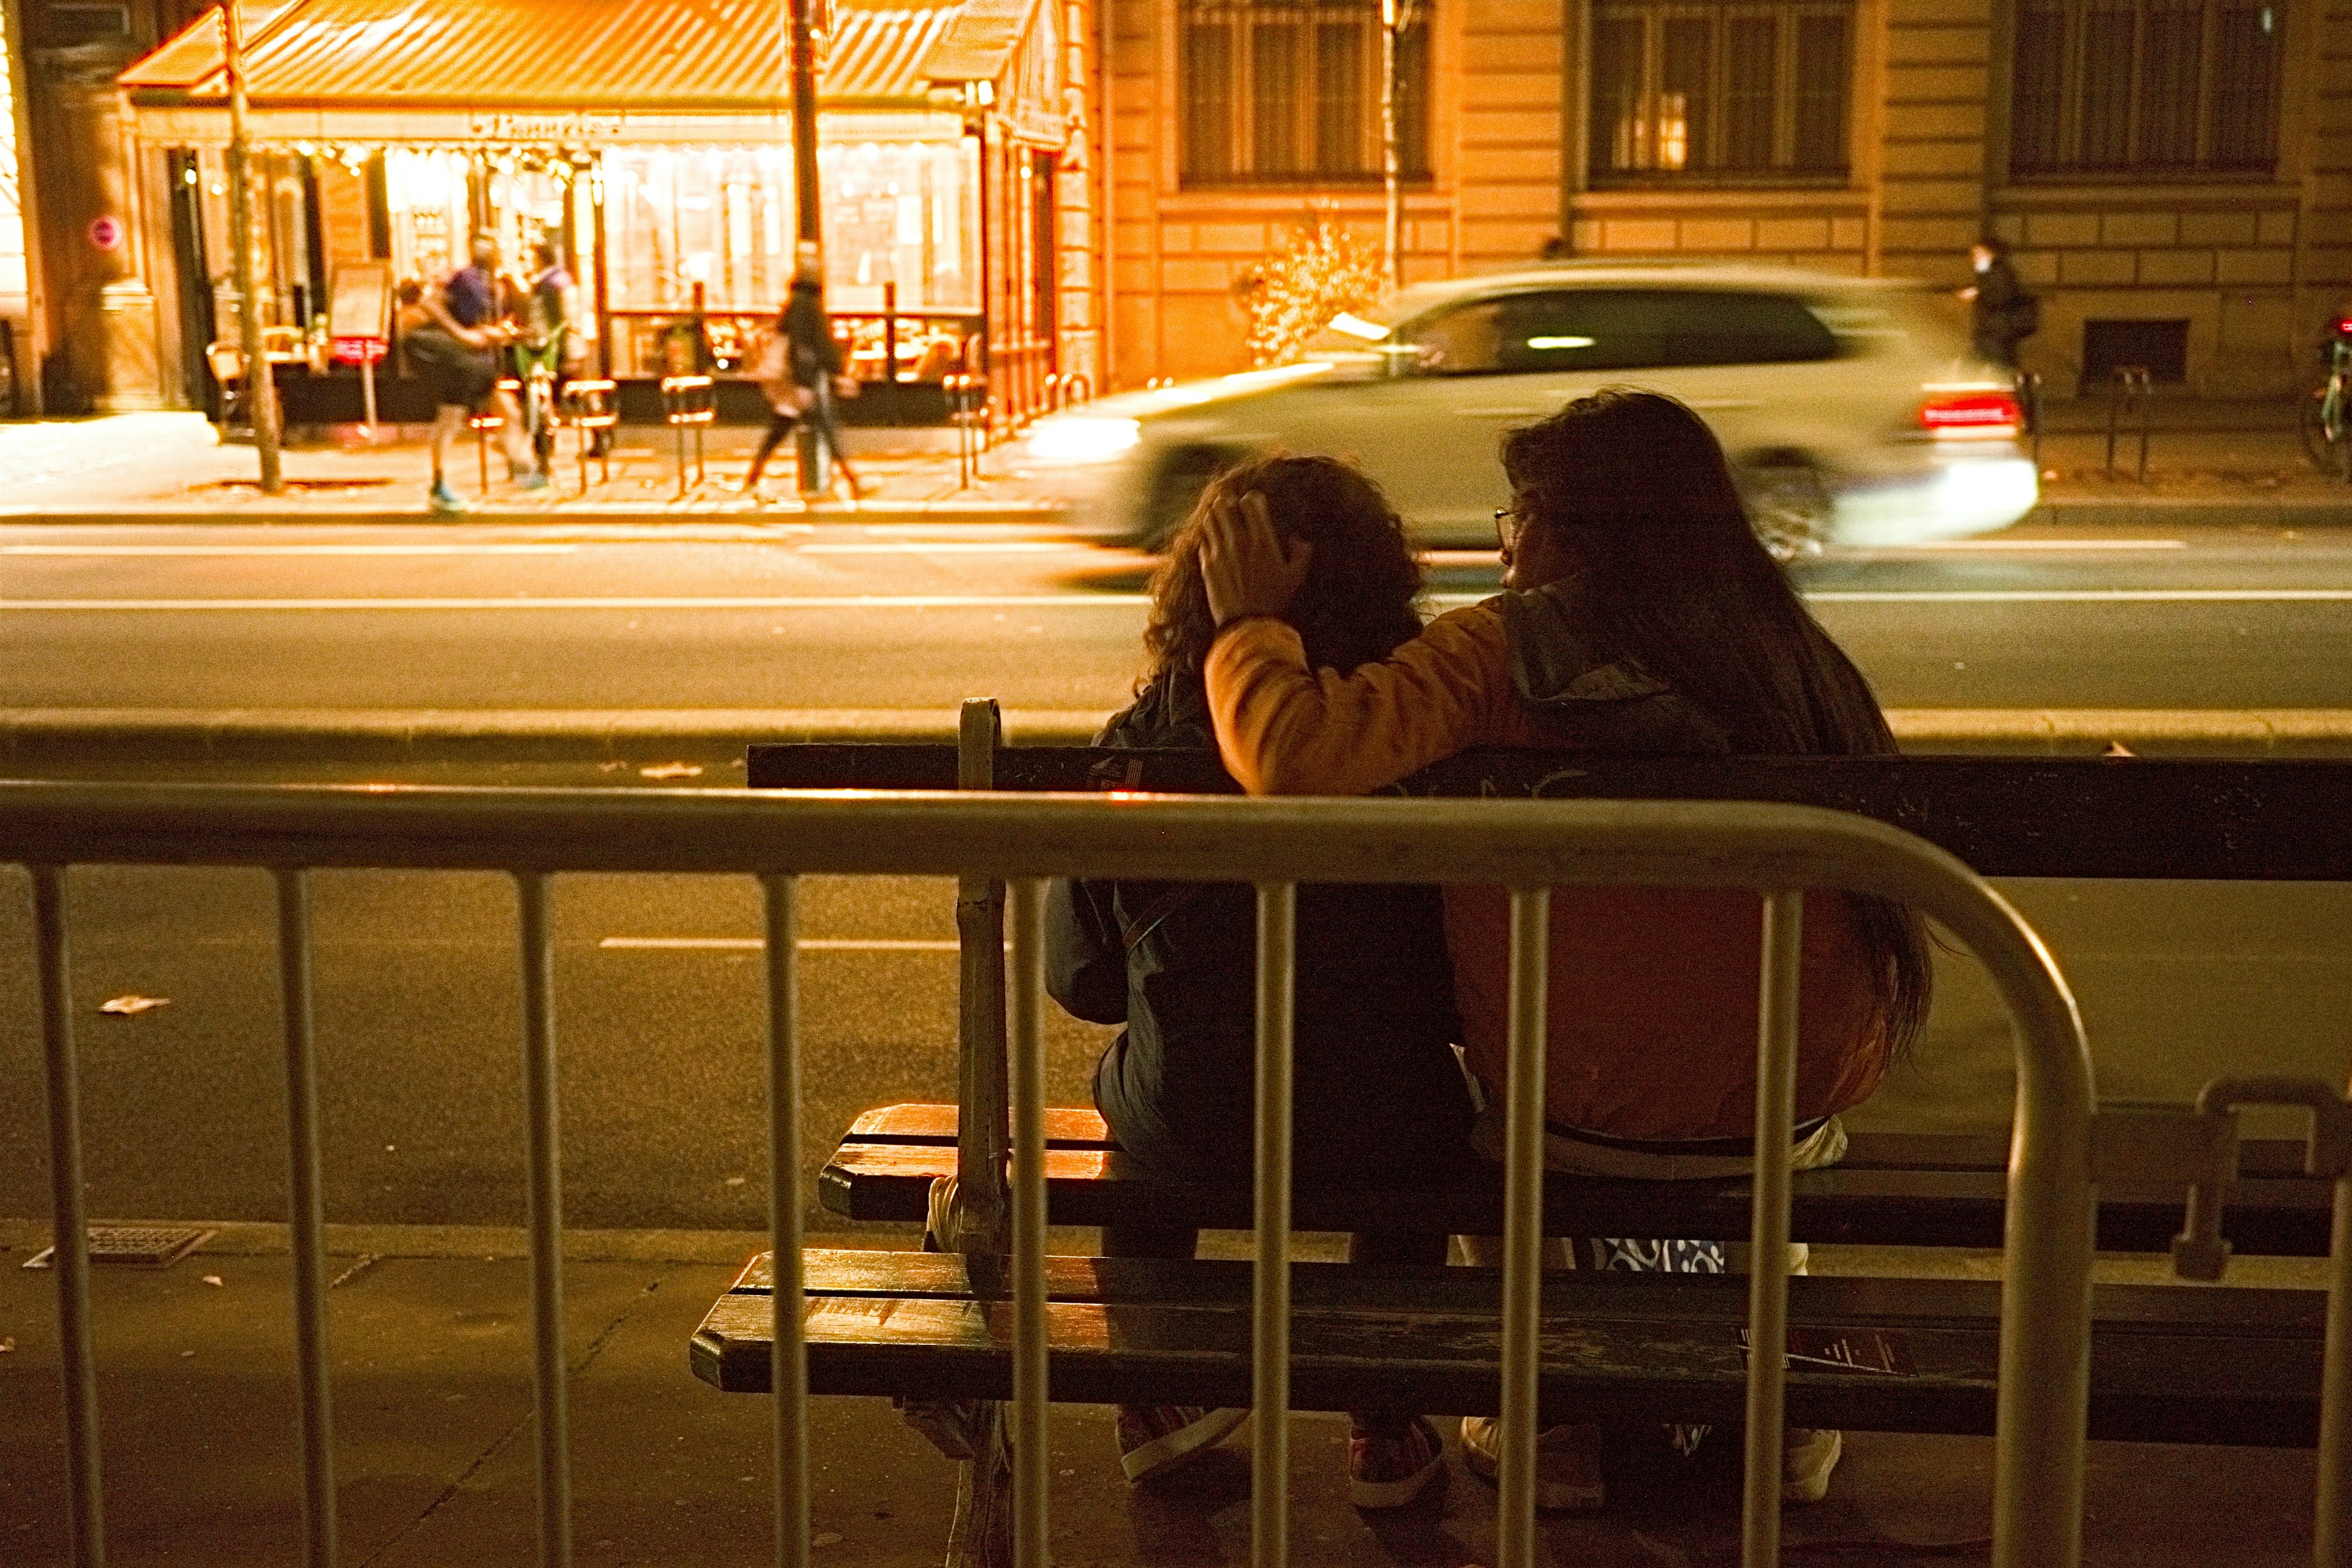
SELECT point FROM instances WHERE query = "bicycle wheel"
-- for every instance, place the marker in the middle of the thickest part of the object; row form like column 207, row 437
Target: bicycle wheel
column 2330, row 450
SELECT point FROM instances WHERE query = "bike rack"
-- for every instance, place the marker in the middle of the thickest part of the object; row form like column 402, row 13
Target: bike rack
column 967, row 409
column 2127, row 388
column 688, row 402
column 591, row 407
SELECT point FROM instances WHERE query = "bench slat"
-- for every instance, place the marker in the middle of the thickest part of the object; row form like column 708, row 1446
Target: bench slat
column 1616, row 1347
column 1901, row 1207
column 2265, row 819
column 1082, row 1127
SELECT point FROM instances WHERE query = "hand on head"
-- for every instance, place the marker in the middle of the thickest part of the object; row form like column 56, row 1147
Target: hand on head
column 1248, row 568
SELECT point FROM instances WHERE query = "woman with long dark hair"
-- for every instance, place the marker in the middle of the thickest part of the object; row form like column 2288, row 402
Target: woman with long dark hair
column 1378, row 1094
column 1641, row 615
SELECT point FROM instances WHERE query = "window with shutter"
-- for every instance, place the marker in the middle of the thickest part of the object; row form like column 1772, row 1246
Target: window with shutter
column 1289, row 93
column 2145, row 88
column 1752, row 93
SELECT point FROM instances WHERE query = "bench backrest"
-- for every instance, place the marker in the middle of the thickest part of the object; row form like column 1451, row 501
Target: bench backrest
column 2280, row 819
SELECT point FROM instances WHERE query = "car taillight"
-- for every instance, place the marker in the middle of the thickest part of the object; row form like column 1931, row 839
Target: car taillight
column 1970, row 413
column 2344, row 328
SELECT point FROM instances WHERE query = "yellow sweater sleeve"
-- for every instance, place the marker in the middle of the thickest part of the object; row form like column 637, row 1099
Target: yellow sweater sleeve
column 1285, row 729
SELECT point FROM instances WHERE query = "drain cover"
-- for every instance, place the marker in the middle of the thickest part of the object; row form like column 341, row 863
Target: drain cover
column 135, row 1246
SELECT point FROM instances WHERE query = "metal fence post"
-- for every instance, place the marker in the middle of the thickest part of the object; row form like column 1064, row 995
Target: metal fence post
column 788, row 1371
column 544, row 1150
column 981, row 1214
column 1278, row 908
column 1523, row 1170
column 1768, row 1250
column 1030, row 1456
column 69, row 1223
column 307, row 1214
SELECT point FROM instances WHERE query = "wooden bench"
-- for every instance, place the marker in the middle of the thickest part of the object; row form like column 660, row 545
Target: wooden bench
column 2168, row 1362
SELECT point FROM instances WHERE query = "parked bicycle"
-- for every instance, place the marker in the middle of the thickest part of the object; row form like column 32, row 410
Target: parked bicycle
column 2327, row 421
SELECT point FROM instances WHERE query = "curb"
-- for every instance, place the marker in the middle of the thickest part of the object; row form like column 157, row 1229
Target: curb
column 2133, row 512
column 357, row 736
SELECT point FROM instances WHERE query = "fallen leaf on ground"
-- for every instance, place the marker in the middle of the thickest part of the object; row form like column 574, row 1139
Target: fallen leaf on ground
column 735, row 1181
column 7, row 1345
column 671, row 771
column 212, row 1278
column 830, row 1538
column 132, row 1002
column 2116, row 749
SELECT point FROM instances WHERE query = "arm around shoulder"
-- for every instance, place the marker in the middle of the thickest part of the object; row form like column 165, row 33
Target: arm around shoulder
column 1285, row 729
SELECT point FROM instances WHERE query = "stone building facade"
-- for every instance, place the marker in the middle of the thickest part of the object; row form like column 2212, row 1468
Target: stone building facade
column 2174, row 176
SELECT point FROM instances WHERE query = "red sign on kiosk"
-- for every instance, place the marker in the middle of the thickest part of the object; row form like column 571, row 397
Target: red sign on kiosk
column 359, row 350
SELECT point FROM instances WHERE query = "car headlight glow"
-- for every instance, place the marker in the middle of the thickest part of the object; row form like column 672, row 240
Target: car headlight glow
column 1073, row 439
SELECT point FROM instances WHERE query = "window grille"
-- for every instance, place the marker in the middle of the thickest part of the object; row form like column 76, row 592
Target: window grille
column 1720, row 93
column 1290, row 94
column 2145, row 87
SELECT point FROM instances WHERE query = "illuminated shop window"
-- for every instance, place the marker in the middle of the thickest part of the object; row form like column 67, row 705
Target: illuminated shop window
column 1720, row 94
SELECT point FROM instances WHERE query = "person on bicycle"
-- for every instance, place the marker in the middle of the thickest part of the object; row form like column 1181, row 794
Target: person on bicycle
column 551, row 348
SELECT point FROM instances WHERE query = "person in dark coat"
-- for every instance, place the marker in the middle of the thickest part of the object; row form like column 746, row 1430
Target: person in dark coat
column 2005, row 313
column 803, row 375
column 1379, row 1094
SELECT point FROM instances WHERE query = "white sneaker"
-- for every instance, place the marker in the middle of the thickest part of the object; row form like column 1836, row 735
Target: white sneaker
column 1568, row 1462
column 1808, row 1455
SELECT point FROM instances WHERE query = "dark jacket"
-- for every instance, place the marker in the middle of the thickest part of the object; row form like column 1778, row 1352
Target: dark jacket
column 2004, row 312
column 1377, row 1092
column 817, row 356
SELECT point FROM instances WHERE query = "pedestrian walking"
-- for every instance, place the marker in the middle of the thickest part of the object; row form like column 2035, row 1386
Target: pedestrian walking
column 455, row 334
column 2005, row 313
column 802, row 371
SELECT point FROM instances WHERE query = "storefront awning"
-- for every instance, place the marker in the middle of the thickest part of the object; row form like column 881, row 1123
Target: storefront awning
column 563, row 73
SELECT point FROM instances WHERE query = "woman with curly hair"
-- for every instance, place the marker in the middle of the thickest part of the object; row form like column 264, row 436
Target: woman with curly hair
column 1379, row 1095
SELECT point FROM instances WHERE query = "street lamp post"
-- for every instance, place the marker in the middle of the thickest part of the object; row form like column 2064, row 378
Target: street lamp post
column 812, row 463
column 260, row 390
column 1396, row 16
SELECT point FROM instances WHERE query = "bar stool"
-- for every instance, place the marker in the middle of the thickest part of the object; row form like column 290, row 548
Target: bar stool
column 482, row 424
column 588, row 406
column 688, row 402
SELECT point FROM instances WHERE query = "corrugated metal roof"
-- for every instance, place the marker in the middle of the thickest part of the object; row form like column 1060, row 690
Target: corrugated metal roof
column 546, row 54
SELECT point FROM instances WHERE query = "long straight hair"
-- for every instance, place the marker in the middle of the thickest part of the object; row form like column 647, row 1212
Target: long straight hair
column 1672, row 576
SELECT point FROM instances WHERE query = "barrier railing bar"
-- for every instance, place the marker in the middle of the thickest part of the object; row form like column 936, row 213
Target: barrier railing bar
column 543, row 1153
column 307, row 1218
column 1030, row 1454
column 2332, row 1509
column 788, row 1368
column 1523, row 1167
column 1767, row 1238
column 1277, row 910
column 69, row 1223
column 2046, row 1266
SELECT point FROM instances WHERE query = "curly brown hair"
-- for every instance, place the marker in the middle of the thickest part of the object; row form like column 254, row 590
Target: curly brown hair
column 1362, row 596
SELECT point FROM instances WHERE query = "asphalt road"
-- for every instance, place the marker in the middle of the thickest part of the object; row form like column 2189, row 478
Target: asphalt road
column 488, row 618
column 659, row 1004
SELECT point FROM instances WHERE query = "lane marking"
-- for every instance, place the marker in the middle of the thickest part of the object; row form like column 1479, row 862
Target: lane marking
column 644, row 601
column 759, row 944
column 2002, row 544
column 942, row 547
column 288, row 549
column 1131, row 601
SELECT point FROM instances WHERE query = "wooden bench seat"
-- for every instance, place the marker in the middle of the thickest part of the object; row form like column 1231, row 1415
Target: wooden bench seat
column 1895, row 1188
column 1618, row 1347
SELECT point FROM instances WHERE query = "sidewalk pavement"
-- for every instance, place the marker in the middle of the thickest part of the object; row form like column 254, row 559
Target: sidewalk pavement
column 2227, row 464
column 436, row 1463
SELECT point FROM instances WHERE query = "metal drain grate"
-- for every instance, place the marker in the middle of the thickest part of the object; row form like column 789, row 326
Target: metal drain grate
column 135, row 1246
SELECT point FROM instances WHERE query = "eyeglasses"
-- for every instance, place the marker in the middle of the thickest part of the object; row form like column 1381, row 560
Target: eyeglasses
column 1510, row 521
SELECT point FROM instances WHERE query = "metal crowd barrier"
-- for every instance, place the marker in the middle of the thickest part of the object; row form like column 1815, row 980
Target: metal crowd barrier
column 1022, row 839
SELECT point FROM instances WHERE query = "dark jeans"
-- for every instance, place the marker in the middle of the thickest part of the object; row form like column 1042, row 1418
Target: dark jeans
column 781, row 423
column 1395, row 1247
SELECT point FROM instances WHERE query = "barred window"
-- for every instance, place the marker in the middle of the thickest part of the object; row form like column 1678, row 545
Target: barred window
column 1290, row 94
column 1720, row 93
column 2145, row 87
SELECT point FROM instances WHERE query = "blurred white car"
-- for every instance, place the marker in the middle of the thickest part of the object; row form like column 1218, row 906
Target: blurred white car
column 1852, row 409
